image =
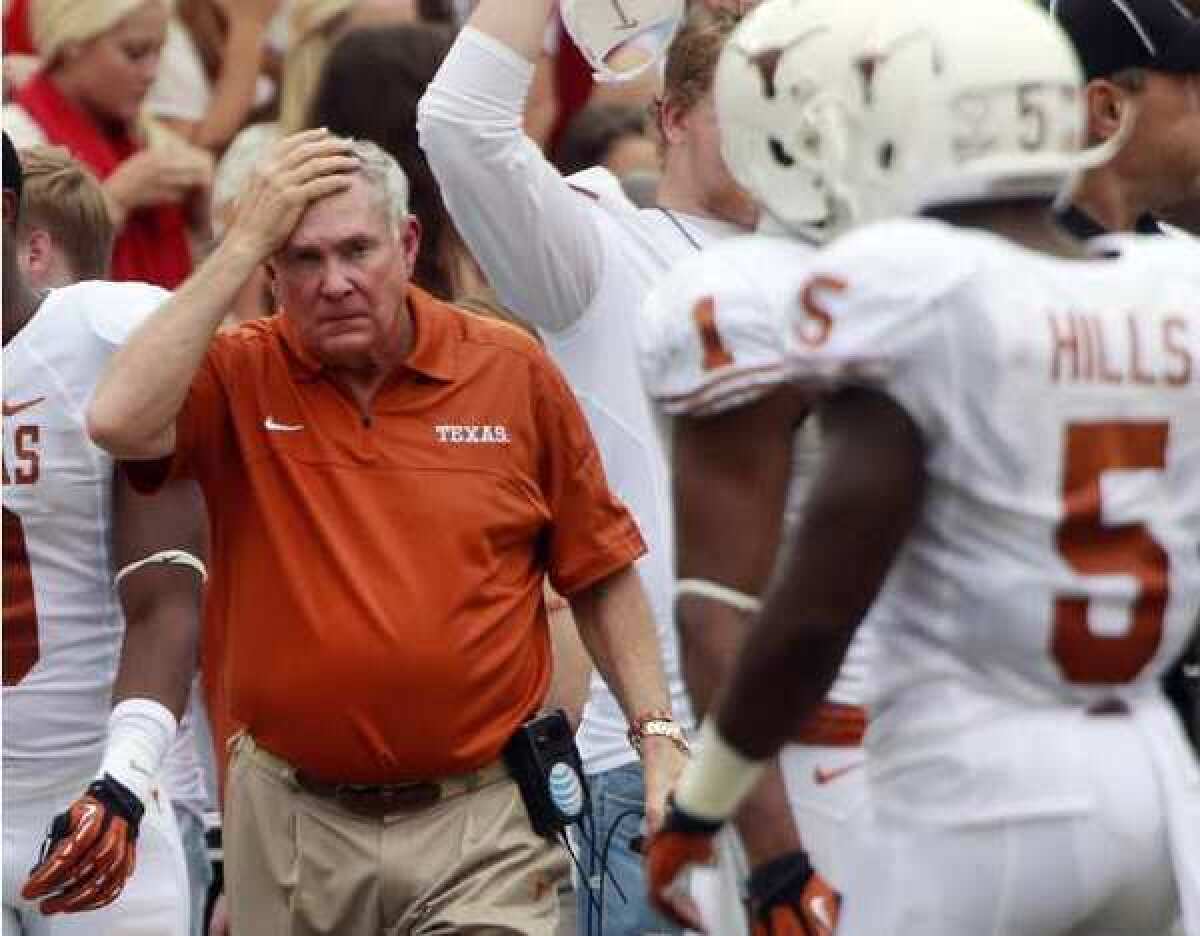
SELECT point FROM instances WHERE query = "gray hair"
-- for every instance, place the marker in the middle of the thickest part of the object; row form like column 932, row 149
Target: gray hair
column 387, row 181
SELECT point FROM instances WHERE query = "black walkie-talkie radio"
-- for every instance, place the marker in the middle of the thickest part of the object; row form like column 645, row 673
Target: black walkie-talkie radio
column 545, row 763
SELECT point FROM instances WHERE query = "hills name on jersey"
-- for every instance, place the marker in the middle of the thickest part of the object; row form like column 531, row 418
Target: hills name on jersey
column 1087, row 349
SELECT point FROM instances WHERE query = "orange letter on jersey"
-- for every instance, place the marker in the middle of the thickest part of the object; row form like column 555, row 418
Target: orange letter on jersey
column 1092, row 547
column 715, row 353
column 818, row 323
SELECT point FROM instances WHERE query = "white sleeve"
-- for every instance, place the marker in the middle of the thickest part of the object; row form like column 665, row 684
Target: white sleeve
column 709, row 340
column 538, row 239
column 115, row 310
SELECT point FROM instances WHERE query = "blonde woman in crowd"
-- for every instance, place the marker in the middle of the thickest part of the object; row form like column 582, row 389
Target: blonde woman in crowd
column 99, row 59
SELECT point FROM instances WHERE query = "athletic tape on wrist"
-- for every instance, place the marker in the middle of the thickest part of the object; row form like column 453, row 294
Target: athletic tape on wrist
column 717, row 780
column 140, row 733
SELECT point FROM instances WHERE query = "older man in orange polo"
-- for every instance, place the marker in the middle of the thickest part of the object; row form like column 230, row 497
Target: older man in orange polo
column 389, row 480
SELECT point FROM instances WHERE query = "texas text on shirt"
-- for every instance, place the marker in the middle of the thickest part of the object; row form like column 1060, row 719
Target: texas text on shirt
column 478, row 445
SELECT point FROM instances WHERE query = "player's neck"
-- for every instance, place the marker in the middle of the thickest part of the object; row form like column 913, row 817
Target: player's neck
column 1028, row 223
column 1106, row 200
column 679, row 191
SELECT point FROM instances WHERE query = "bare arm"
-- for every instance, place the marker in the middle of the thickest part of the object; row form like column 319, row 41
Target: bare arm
column 161, row 602
column 617, row 629
column 141, row 393
column 520, row 26
column 729, row 513
column 233, row 93
column 863, row 504
column 572, row 668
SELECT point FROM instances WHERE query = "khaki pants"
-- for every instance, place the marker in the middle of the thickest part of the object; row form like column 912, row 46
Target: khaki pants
column 298, row 864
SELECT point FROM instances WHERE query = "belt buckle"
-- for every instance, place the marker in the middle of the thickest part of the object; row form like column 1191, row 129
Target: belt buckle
column 382, row 800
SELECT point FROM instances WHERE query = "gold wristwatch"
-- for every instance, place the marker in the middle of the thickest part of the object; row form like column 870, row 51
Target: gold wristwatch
column 658, row 724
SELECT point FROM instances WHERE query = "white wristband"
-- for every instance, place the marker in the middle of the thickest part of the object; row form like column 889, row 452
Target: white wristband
column 718, row 778
column 140, row 733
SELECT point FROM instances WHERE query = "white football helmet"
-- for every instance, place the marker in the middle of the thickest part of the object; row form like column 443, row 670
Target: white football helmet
column 601, row 27
column 834, row 113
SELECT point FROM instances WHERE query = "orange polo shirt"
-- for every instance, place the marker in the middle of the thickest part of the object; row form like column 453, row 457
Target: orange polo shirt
column 377, row 579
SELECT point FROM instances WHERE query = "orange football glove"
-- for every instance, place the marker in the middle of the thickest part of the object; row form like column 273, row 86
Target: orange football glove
column 788, row 898
column 682, row 843
column 89, row 851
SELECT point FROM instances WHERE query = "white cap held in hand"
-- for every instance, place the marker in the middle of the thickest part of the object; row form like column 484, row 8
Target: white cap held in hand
column 601, row 28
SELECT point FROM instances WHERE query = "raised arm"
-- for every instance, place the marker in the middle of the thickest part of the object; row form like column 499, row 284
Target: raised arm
column 520, row 26
column 133, row 412
column 538, row 240
column 234, row 89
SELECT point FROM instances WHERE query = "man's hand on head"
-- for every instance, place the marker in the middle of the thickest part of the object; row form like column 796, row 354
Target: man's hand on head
column 297, row 171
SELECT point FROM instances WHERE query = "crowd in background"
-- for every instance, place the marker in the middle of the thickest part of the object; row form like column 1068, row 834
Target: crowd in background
column 180, row 126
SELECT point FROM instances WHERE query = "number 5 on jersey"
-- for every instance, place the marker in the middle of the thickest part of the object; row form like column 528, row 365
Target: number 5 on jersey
column 1093, row 548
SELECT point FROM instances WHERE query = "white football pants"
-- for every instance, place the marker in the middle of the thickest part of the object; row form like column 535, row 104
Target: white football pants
column 1050, row 823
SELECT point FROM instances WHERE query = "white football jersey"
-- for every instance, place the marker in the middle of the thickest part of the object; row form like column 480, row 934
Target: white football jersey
column 62, row 620
column 1057, row 556
column 715, row 335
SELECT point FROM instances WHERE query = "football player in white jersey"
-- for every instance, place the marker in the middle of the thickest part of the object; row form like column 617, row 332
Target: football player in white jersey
column 65, row 236
column 1012, row 474
column 713, row 344
column 67, row 528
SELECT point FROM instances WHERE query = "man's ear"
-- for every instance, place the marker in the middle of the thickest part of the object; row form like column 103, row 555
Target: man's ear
column 10, row 206
column 411, row 236
column 1106, row 106
column 38, row 251
column 672, row 120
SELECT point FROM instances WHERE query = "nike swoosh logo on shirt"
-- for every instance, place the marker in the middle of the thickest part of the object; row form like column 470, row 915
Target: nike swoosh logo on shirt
column 11, row 409
column 271, row 426
column 822, row 777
